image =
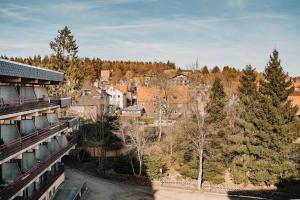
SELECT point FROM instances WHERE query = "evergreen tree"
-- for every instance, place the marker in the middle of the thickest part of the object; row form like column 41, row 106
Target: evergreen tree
column 216, row 104
column 237, row 149
column 214, row 164
column 64, row 48
column 275, row 132
column 65, row 52
column 216, row 69
column 205, row 70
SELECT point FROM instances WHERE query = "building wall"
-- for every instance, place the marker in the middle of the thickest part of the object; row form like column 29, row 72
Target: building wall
column 117, row 98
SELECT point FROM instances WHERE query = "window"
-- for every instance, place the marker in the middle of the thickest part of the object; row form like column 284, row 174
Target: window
column 119, row 96
column 86, row 93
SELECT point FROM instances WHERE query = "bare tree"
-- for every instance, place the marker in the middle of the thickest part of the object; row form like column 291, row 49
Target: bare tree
column 137, row 141
column 196, row 132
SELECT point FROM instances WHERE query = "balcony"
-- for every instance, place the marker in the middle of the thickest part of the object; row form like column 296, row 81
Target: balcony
column 37, row 194
column 8, row 108
column 63, row 102
column 19, row 144
column 73, row 123
column 27, row 177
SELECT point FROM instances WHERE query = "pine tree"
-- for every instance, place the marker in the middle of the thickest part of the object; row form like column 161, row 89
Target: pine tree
column 205, row 70
column 274, row 132
column 214, row 165
column 64, row 48
column 65, row 52
column 237, row 149
column 216, row 104
column 216, row 69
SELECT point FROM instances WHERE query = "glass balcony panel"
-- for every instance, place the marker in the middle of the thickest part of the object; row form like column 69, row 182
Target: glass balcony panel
column 27, row 93
column 41, row 122
column 41, row 92
column 26, row 127
column 62, row 141
column 38, row 182
column 9, row 171
column 28, row 161
column 42, row 152
column 30, row 189
column 53, row 146
column 8, row 132
column 9, row 93
column 52, row 118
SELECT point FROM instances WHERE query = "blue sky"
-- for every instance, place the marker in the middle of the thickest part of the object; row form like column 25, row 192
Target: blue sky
column 216, row 32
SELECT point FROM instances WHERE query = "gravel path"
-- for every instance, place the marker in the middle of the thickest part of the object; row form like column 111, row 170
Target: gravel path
column 103, row 189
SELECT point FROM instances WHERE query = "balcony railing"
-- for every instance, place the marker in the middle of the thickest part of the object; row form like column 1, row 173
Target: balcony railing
column 21, row 143
column 22, row 105
column 62, row 101
column 37, row 194
column 19, row 183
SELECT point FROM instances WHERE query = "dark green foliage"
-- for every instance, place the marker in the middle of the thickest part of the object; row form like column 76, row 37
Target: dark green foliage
column 238, row 142
column 214, row 163
column 123, row 165
column 216, row 69
column 216, row 105
column 204, row 70
column 189, row 164
column 262, row 140
column 153, row 165
column 91, row 134
column 65, row 49
column 213, row 171
column 274, row 122
column 65, row 59
column 84, row 156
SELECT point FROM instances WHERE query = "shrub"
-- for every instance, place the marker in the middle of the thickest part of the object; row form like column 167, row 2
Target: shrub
column 122, row 165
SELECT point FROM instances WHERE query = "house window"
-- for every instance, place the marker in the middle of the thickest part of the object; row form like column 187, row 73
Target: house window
column 118, row 96
column 86, row 93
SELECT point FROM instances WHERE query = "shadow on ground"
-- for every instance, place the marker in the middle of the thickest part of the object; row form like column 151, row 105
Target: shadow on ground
column 107, row 187
column 286, row 190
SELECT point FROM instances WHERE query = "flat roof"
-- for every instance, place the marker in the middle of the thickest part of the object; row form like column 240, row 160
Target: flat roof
column 20, row 70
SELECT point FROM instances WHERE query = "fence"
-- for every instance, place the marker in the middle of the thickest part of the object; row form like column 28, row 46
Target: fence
column 192, row 184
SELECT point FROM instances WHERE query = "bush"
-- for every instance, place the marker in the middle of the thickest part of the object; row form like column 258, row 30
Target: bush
column 84, row 156
column 213, row 172
column 122, row 165
column 153, row 167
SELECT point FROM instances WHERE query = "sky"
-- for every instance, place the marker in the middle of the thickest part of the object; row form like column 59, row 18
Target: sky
column 214, row 32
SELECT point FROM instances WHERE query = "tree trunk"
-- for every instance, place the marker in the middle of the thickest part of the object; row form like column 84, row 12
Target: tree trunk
column 140, row 169
column 200, row 174
column 159, row 135
column 132, row 167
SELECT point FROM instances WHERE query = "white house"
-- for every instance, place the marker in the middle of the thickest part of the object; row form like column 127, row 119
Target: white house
column 117, row 97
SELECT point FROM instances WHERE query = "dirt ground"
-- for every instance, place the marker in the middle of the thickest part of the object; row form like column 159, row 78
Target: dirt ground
column 103, row 189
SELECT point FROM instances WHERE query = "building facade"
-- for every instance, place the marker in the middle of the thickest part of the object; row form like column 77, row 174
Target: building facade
column 117, row 97
column 93, row 103
column 33, row 138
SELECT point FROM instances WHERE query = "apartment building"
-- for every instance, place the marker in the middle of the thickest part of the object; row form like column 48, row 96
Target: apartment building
column 33, row 138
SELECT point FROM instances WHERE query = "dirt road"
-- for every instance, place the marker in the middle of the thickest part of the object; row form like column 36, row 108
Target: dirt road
column 102, row 189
